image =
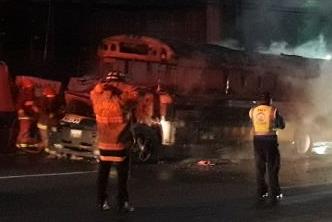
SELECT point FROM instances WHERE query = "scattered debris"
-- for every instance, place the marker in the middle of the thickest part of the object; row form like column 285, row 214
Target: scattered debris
column 74, row 157
column 205, row 163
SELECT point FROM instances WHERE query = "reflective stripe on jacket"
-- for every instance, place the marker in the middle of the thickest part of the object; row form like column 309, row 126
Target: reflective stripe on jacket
column 42, row 126
column 112, row 152
column 263, row 118
column 116, row 119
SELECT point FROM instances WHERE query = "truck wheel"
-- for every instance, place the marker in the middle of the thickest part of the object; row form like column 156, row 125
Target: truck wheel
column 302, row 142
column 147, row 144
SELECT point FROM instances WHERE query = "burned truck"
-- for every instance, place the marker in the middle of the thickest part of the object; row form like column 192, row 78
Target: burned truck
column 212, row 87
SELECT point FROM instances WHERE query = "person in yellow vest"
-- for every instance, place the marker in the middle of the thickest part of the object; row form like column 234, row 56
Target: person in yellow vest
column 27, row 111
column 50, row 112
column 266, row 120
column 113, row 101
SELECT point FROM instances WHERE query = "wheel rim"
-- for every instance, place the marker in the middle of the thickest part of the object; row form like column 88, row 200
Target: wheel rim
column 144, row 153
column 303, row 144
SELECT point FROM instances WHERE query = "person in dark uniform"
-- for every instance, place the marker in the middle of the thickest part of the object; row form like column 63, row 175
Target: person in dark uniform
column 266, row 120
column 113, row 101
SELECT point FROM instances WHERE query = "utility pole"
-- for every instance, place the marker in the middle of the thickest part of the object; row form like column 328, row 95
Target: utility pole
column 48, row 30
column 213, row 21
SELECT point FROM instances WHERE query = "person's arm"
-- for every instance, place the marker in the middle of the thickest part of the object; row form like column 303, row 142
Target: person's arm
column 279, row 121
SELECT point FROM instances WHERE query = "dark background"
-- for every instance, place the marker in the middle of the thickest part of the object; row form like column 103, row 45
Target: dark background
column 58, row 38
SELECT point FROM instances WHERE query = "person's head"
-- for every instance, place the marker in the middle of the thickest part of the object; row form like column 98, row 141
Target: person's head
column 115, row 76
column 266, row 98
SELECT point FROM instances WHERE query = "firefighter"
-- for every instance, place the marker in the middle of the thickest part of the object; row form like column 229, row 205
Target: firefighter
column 7, row 110
column 266, row 120
column 27, row 111
column 50, row 111
column 113, row 101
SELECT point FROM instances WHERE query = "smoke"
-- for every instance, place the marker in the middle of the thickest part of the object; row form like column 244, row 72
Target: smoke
column 287, row 24
column 320, row 90
column 231, row 44
column 316, row 48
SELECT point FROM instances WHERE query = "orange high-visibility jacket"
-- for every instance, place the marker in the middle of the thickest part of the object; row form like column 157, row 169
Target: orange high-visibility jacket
column 112, row 108
column 27, row 107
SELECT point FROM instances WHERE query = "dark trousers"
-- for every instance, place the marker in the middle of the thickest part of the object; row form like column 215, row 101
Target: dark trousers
column 102, row 180
column 267, row 156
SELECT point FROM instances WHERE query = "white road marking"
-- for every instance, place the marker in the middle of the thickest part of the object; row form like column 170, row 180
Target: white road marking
column 47, row 175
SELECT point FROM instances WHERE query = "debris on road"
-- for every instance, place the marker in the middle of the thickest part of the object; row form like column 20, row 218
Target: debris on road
column 205, row 163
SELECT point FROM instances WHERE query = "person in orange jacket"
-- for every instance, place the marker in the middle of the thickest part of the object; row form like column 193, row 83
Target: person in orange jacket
column 27, row 111
column 49, row 113
column 113, row 101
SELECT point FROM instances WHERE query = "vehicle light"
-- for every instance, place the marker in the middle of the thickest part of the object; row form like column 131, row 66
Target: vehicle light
column 319, row 148
column 168, row 132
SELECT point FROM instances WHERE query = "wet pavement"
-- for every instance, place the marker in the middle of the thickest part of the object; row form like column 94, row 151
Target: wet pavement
column 220, row 188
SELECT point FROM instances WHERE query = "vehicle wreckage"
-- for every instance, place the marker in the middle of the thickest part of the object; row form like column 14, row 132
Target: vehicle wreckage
column 213, row 88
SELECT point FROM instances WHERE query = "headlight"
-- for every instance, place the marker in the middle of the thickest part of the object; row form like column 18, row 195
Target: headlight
column 320, row 148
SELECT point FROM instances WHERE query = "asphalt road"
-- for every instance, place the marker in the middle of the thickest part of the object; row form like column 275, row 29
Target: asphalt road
column 38, row 188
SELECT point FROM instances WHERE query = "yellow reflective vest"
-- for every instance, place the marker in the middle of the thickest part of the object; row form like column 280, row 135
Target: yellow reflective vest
column 263, row 118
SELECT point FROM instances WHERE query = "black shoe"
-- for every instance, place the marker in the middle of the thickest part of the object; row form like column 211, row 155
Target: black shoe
column 276, row 199
column 126, row 207
column 261, row 200
column 104, row 206
column 263, row 197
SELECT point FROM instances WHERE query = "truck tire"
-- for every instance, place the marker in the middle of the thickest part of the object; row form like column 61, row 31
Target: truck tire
column 302, row 141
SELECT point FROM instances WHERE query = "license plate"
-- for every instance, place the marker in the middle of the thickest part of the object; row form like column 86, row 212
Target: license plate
column 75, row 133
